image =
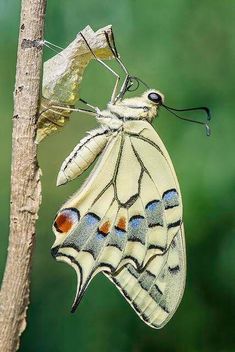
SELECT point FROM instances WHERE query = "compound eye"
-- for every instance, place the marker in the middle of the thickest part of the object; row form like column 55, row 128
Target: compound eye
column 155, row 97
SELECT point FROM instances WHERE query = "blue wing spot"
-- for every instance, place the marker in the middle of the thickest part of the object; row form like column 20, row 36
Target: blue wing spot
column 91, row 219
column 154, row 213
column 171, row 198
column 136, row 221
column 119, row 232
column 170, row 195
column 99, row 236
column 153, row 205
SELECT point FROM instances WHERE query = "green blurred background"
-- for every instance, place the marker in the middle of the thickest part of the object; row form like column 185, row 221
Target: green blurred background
column 186, row 49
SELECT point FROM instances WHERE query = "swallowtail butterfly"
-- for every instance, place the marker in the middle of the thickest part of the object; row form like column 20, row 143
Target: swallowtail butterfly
column 126, row 219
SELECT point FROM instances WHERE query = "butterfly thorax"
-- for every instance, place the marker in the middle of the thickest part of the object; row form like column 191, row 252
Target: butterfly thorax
column 136, row 108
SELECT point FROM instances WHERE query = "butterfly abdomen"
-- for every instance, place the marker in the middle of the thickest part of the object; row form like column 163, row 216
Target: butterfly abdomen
column 82, row 156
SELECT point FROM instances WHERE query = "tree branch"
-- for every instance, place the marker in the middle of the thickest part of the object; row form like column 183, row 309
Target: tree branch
column 25, row 177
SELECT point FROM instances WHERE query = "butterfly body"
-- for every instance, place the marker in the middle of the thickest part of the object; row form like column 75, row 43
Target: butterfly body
column 126, row 220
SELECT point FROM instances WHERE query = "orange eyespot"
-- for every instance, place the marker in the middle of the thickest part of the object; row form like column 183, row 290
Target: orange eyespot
column 104, row 228
column 122, row 224
column 66, row 219
column 63, row 223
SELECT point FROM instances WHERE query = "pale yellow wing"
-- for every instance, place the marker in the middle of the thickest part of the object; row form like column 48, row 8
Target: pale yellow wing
column 127, row 212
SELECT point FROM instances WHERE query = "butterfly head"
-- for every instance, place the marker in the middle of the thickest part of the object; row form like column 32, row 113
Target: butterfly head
column 144, row 107
column 153, row 99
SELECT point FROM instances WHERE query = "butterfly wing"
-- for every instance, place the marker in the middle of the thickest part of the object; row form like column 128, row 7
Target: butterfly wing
column 127, row 213
column 82, row 224
column 156, row 291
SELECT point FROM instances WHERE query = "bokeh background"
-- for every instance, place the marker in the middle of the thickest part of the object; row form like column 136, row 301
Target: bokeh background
column 186, row 49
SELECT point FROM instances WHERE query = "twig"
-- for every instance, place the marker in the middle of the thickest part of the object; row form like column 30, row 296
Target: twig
column 25, row 177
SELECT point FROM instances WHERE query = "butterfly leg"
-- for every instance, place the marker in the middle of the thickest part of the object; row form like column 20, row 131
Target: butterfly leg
column 52, row 46
column 88, row 112
column 117, row 58
column 114, row 93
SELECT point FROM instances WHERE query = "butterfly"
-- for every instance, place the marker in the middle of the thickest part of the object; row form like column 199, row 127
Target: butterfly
column 126, row 220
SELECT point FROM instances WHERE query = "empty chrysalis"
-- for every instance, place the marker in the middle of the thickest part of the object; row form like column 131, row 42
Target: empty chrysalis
column 62, row 76
column 126, row 220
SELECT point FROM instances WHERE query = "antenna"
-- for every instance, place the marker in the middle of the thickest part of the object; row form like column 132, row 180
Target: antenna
column 203, row 108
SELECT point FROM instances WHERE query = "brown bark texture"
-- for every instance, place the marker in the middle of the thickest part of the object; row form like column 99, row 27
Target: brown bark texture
column 25, row 177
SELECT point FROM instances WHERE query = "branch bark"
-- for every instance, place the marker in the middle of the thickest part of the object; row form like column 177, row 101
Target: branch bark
column 25, row 177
